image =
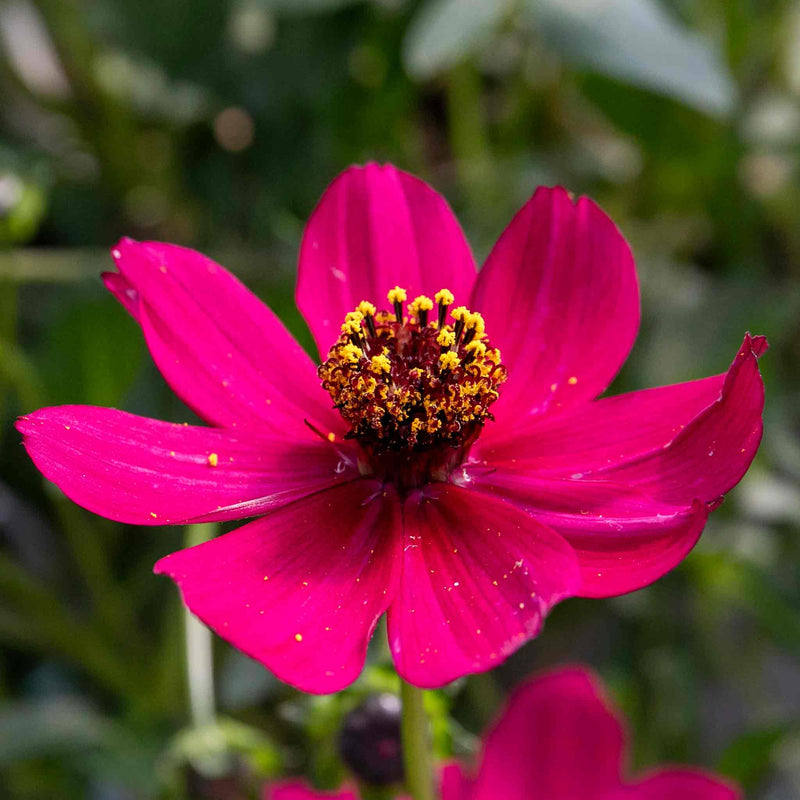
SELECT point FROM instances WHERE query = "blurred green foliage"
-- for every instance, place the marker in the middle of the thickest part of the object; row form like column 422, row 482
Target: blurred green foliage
column 218, row 123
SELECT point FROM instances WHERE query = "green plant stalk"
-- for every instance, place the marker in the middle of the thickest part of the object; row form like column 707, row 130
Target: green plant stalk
column 199, row 647
column 416, row 743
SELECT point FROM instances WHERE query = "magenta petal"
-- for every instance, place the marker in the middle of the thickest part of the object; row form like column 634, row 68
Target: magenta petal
column 301, row 589
column 561, row 301
column 602, row 433
column 712, row 452
column 146, row 472
column 558, row 739
column 455, row 785
column 376, row 227
column 677, row 784
column 479, row 576
column 299, row 790
column 623, row 538
column 220, row 348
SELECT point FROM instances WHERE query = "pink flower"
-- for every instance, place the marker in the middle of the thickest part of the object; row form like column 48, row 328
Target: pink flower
column 559, row 738
column 471, row 480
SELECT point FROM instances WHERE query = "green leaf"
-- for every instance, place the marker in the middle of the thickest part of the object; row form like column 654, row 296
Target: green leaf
column 31, row 729
column 749, row 758
column 637, row 42
column 308, row 6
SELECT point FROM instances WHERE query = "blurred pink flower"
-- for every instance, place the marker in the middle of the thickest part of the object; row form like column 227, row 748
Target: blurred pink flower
column 462, row 518
column 559, row 738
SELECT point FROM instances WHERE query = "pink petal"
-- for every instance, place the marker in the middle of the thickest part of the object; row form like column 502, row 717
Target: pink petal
column 478, row 579
column 299, row 790
column 709, row 456
column 623, row 538
column 146, row 472
column 301, row 589
column 376, row 227
column 561, row 301
column 220, row 348
column 558, row 739
column 677, row 784
column 601, row 433
column 455, row 785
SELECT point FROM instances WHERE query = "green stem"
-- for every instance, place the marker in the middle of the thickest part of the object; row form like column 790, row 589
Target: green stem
column 416, row 743
column 199, row 647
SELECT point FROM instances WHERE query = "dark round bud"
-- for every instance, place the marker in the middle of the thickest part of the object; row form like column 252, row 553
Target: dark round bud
column 369, row 741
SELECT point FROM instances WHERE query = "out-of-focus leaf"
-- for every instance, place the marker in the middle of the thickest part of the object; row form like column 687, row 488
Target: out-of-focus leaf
column 211, row 749
column 308, row 6
column 22, row 207
column 637, row 42
column 244, row 683
column 94, row 355
column 445, row 31
column 30, row 729
column 749, row 758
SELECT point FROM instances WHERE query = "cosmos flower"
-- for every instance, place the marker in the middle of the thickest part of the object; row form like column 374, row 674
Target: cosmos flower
column 447, row 465
column 559, row 738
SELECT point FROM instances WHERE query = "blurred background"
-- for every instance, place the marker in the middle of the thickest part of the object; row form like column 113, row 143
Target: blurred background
column 217, row 124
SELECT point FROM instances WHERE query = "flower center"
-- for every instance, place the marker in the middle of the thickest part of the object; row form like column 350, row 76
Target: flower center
column 413, row 384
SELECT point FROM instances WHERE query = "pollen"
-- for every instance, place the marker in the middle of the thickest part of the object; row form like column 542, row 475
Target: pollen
column 380, row 363
column 449, row 360
column 397, row 295
column 298, row 637
column 444, row 297
column 213, row 459
column 409, row 386
column 352, row 323
column 446, row 338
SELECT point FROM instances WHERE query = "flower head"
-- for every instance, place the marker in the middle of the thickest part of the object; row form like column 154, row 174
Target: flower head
column 446, row 462
column 559, row 738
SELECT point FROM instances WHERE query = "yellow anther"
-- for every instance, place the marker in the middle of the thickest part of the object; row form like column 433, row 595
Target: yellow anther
column 446, row 338
column 421, row 303
column 397, row 295
column 476, row 349
column 460, row 313
column 380, row 363
column 352, row 322
column 366, row 309
column 351, row 353
column 476, row 321
column 331, row 436
column 444, row 297
column 449, row 360
column 213, row 459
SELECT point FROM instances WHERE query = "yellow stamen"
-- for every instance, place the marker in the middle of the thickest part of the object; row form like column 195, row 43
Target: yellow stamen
column 421, row 303
column 380, row 363
column 476, row 349
column 351, row 353
column 446, row 338
column 460, row 313
column 475, row 320
column 366, row 309
column 444, row 297
column 449, row 360
column 352, row 323
column 397, row 295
